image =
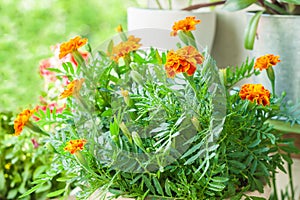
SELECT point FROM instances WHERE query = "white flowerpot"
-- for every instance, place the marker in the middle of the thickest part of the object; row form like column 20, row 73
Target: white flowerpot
column 279, row 35
column 175, row 4
column 139, row 18
column 228, row 49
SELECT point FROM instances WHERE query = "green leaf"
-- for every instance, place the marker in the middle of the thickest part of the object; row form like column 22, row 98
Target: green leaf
column 217, row 186
column 148, row 184
column 65, row 66
column 167, row 188
column 157, row 186
column 237, row 164
column 54, row 70
column 110, row 46
column 31, row 190
column 250, row 31
column 237, row 154
column 256, row 198
column 234, row 5
column 12, row 193
column 297, row 2
column 56, row 193
column 220, row 179
column 254, row 143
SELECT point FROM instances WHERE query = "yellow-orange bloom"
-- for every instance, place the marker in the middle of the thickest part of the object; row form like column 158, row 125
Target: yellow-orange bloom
column 255, row 92
column 183, row 60
column 187, row 24
column 124, row 48
column 21, row 120
column 266, row 61
column 72, row 45
column 75, row 145
column 73, row 88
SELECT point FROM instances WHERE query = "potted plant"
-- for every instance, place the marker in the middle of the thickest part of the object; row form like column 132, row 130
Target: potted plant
column 149, row 122
column 162, row 14
column 267, row 28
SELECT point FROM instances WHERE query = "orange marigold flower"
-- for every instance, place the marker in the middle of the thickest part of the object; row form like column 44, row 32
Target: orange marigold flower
column 255, row 92
column 187, row 24
column 21, row 120
column 75, row 145
column 73, row 88
column 266, row 61
column 183, row 60
column 71, row 45
column 124, row 48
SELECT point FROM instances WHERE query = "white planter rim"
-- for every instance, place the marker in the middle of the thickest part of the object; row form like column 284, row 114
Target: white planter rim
column 274, row 16
column 171, row 11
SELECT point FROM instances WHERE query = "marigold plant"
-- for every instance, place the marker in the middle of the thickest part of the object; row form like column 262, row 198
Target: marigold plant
column 164, row 123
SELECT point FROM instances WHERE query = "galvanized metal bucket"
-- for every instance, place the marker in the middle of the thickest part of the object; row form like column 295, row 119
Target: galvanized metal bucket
column 280, row 35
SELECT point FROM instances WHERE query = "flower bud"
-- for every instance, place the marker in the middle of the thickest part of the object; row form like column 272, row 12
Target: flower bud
column 196, row 123
column 126, row 97
column 126, row 132
column 222, row 75
column 137, row 77
column 137, row 140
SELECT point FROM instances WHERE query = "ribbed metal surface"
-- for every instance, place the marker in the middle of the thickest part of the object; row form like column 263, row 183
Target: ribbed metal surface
column 280, row 35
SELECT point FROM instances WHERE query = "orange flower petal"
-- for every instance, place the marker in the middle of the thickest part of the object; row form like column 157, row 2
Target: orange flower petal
column 71, row 45
column 124, row 48
column 75, row 145
column 266, row 61
column 73, row 88
column 21, row 120
column 183, row 60
column 187, row 24
column 255, row 93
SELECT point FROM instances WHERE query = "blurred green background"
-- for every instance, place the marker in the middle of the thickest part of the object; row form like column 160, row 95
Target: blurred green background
column 29, row 27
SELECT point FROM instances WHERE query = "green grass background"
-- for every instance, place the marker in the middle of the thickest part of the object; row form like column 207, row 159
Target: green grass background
column 29, row 27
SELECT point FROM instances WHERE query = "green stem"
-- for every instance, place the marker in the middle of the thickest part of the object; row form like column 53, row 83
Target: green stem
column 271, row 76
column 273, row 88
column 78, row 57
column 190, row 79
column 274, row 185
column 203, row 5
column 191, row 39
column 291, row 178
column 158, row 4
column 170, row 4
column 35, row 128
column 275, row 9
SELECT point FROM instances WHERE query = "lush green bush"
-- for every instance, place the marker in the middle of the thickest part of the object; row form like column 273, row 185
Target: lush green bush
column 22, row 160
column 29, row 28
